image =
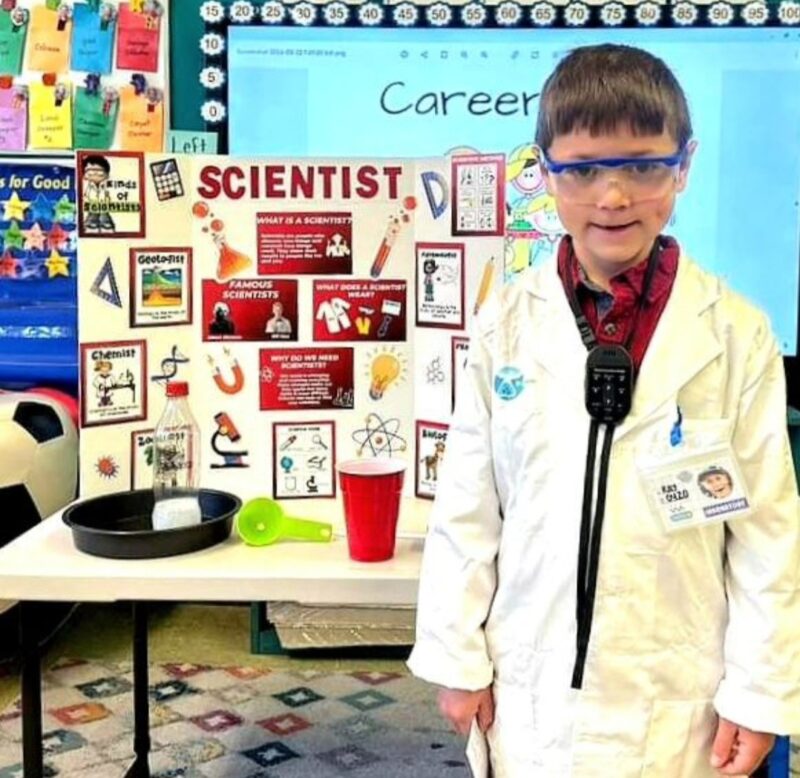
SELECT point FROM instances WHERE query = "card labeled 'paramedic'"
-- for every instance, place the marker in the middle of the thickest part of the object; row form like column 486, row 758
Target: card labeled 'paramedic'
column 697, row 490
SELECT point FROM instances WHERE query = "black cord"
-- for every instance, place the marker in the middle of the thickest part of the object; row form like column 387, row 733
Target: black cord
column 586, row 521
column 587, row 582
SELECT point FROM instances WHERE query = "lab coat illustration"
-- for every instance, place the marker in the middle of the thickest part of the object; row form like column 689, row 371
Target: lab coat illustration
column 687, row 624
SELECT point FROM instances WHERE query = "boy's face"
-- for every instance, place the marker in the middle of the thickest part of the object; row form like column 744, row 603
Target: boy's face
column 718, row 484
column 615, row 232
column 95, row 174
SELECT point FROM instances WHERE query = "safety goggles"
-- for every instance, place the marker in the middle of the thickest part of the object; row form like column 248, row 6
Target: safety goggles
column 642, row 178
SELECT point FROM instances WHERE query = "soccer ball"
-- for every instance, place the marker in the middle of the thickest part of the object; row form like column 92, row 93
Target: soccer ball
column 38, row 461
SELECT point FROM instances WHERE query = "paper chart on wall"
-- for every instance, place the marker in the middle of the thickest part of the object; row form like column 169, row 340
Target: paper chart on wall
column 85, row 47
column 287, row 294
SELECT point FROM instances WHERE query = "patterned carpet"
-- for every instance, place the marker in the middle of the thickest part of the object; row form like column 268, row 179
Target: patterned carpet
column 239, row 722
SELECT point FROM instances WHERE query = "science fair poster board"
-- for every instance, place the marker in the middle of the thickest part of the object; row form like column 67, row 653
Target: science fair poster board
column 319, row 310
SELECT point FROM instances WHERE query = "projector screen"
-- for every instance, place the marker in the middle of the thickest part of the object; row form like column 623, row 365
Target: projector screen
column 423, row 92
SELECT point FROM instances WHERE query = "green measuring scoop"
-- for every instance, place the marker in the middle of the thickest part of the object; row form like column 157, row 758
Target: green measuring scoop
column 262, row 521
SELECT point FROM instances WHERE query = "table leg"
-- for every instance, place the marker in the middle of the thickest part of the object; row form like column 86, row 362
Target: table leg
column 141, row 712
column 31, row 683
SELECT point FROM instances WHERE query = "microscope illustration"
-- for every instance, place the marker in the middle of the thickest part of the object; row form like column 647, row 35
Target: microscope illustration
column 227, row 429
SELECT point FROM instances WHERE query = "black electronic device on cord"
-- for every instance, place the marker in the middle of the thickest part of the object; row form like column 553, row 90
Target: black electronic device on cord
column 609, row 383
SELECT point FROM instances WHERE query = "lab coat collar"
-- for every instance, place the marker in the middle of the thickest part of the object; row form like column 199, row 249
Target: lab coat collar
column 682, row 345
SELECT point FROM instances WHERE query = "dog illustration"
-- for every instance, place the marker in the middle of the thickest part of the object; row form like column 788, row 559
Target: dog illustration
column 431, row 461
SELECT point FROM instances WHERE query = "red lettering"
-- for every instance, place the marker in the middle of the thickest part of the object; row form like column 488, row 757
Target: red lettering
column 255, row 183
column 393, row 174
column 274, row 175
column 367, row 185
column 209, row 182
column 345, row 183
column 327, row 172
column 300, row 184
column 227, row 183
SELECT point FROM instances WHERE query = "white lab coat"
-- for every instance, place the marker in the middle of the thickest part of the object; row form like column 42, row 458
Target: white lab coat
column 687, row 624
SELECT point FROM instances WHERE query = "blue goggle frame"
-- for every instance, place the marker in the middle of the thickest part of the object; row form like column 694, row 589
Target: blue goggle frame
column 612, row 162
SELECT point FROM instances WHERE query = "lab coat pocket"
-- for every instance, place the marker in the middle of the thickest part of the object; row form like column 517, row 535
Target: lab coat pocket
column 679, row 739
column 478, row 752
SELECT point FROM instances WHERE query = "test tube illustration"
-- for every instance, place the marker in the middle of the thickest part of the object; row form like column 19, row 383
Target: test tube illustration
column 485, row 286
column 396, row 222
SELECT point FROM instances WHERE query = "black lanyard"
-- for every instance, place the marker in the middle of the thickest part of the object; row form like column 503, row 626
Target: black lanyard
column 591, row 531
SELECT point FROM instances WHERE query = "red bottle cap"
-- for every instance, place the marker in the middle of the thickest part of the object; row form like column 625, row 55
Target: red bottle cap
column 178, row 389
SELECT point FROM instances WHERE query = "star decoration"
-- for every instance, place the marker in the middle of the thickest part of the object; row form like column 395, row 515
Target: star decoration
column 34, row 237
column 15, row 208
column 65, row 210
column 12, row 238
column 56, row 237
column 57, row 265
column 9, row 266
column 41, row 209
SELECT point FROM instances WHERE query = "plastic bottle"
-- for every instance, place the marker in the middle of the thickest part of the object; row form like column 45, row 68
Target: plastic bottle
column 176, row 464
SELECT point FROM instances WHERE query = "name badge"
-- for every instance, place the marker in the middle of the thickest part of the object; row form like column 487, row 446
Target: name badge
column 702, row 488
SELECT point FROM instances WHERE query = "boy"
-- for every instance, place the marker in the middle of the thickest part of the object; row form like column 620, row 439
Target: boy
column 577, row 634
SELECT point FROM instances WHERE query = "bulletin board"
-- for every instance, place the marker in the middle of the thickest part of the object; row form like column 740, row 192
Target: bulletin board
column 82, row 75
column 198, row 47
column 319, row 311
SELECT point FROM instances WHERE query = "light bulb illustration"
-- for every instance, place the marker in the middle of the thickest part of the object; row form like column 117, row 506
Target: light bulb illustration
column 385, row 369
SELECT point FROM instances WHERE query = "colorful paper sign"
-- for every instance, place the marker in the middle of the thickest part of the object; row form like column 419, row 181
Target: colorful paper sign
column 92, row 39
column 138, row 40
column 141, row 121
column 306, row 378
column 161, row 286
column 431, row 446
column 49, row 39
column 303, row 458
column 359, row 310
column 250, row 309
column 94, row 120
column 304, row 243
column 50, row 117
column 478, row 194
column 13, row 119
column 440, row 285
column 13, row 31
column 113, row 382
column 112, row 199
column 142, row 459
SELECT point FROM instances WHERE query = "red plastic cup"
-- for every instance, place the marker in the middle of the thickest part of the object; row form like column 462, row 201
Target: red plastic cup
column 371, row 491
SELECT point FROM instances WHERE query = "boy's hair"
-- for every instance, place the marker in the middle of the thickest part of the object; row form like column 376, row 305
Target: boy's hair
column 97, row 161
column 597, row 88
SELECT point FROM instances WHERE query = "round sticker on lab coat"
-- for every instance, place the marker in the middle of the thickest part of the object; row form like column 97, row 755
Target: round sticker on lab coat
column 509, row 382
